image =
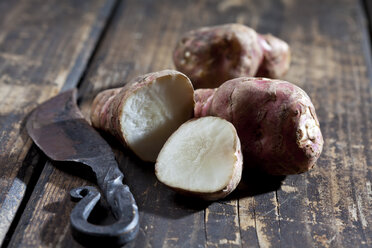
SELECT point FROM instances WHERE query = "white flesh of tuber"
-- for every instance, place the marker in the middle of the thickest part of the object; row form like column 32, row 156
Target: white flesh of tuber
column 153, row 112
column 202, row 158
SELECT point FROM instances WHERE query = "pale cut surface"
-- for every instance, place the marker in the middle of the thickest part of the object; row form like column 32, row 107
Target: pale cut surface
column 153, row 112
column 202, row 156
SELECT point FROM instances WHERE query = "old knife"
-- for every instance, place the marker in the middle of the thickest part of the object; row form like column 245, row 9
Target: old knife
column 59, row 129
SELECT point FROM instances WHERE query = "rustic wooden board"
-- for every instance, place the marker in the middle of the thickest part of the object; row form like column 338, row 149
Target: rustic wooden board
column 43, row 46
column 330, row 206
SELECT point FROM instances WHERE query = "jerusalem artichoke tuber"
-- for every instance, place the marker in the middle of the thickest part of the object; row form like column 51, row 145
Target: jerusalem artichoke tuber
column 275, row 120
column 210, row 56
column 146, row 111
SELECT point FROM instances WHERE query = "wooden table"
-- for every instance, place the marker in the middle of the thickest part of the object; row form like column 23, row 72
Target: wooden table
column 48, row 46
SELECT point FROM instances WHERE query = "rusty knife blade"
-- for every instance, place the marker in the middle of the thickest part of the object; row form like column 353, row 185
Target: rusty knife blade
column 59, row 129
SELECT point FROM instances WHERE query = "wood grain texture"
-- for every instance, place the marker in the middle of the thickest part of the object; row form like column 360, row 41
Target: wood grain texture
column 330, row 206
column 52, row 213
column 43, row 45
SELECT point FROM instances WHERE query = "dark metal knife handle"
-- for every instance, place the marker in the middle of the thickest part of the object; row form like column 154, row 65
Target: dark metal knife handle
column 123, row 206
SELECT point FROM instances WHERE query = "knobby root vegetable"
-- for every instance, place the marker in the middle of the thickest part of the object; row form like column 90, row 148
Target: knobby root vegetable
column 202, row 158
column 275, row 120
column 146, row 111
column 210, row 56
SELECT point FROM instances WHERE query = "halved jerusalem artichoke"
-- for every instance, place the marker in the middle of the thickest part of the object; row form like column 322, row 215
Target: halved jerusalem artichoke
column 202, row 158
column 146, row 111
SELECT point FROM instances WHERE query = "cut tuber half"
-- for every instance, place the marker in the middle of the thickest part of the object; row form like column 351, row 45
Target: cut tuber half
column 202, row 158
column 145, row 112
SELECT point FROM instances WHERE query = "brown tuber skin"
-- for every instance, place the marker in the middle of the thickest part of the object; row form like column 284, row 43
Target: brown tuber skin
column 210, row 56
column 275, row 120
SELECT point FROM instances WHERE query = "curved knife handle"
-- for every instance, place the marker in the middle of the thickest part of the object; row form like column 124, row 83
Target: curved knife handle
column 122, row 203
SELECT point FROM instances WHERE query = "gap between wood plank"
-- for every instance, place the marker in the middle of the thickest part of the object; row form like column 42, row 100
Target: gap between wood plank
column 367, row 6
column 240, row 230
column 29, row 189
column 205, row 226
column 69, row 83
column 107, row 24
column 255, row 224
column 278, row 213
column 367, row 12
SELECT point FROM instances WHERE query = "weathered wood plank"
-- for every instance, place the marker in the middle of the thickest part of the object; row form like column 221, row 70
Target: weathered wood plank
column 329, row 206
column 132, row 46
column 331, row 62
column 52, row 212
column 43, row 44
column 338, row 80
